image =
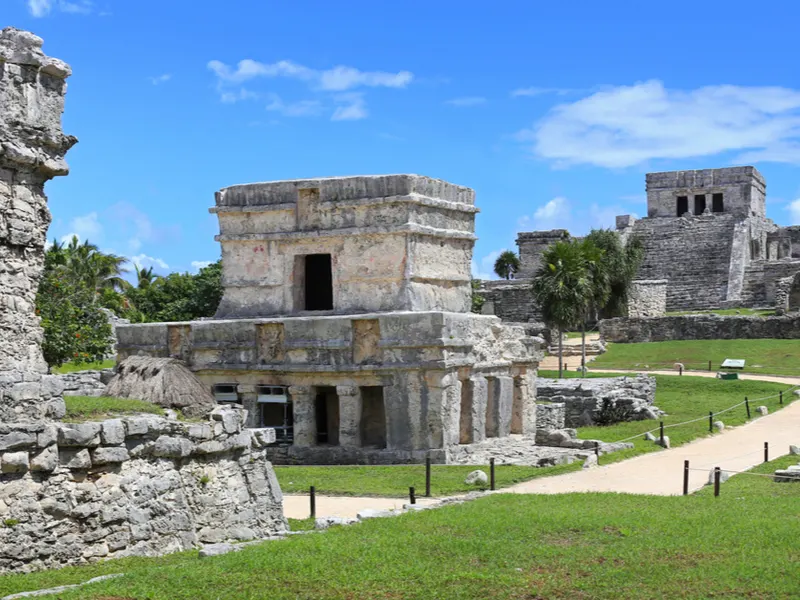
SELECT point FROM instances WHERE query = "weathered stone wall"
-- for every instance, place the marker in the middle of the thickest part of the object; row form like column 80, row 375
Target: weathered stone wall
column 137, row 486
column 692, row 253
column 699, row 327
column 583, row 398
column 85, row 383
column 531, row 244
column 743, row 190
column 32, row 149
column 550, row 416
column 510, row 300
column 761, row 279
column 396, row 242
column 647, row 298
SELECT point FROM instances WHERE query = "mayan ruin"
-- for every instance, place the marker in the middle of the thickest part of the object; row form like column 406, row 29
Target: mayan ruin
column 293, row 309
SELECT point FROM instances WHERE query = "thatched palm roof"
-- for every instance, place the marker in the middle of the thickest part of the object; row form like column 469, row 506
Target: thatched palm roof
column 163, row 381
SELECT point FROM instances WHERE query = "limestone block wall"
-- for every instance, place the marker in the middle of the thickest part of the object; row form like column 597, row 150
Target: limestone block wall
column 531, row 244
column 583, row 398
column 761, row 281
column 85, row 383
column 743, row 190
column 136, row 486
column 693, row 254
column 699, row 327
column 396, row 242
column 647, row 298
column 32, row 149
column 510, row 300
column 550, row 416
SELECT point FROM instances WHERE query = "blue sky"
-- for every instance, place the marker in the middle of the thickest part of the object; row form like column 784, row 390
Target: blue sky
column 552, row 112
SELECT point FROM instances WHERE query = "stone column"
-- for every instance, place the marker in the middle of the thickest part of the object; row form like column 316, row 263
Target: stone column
column 504, row 400
column 523, row 419
column 480, row 396
column 305, row 418
column 349, row 415
column 32, row 89
column 247, row 392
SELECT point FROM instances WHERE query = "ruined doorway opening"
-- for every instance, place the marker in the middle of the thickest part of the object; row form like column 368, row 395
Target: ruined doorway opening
column 318, row 282
column 683, row 205
column 699, row 204
column 491, row 407
column 275, row 411
column 326, row 413
column 373, row 417
column 716, row 203
column 465, row 418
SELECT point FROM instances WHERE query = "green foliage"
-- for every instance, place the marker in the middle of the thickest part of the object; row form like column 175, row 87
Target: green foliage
column 72, row 367
column 562, row 286
column 506, row 265
column 75, row 329
column 204, row 479
column 620, row 264
column 477, row 299
column 179, row 296
column 10, row 522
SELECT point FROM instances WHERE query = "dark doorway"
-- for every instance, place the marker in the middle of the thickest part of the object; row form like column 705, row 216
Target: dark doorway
column 699, row 204
column 326, row 413
column 318, row 282
column 373, row 417
column 716, row 203
column 492, row 425
column 275, row 411
column 683, row 205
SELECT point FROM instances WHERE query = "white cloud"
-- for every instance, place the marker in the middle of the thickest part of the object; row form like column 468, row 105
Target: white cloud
column 66, row 239
column 794, row 211
column 561, row 213
column 200, row 264
column 467, row 101
column 539, row 91
column 302, row 108
column 337, row 79
column 350, row 107
column 485, row 268
column 143, row 262
column 161, row 78
column 629, row 125
column 42, row 8
column 353, row 108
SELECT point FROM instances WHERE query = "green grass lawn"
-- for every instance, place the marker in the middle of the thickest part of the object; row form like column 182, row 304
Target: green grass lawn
column 89, row 408
column 72, row 367
column 779, row 357
column 561, row 547
column 683, row 398
column 394, row 480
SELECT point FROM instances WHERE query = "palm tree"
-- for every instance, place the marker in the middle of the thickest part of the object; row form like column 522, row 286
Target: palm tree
column 506, row 265
column 144, row 277
column 562, row 288
column 84, row 262
column 599, row 287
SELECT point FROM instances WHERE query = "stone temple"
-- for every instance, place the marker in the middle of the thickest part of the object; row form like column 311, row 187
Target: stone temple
column 346, row 324
column 708, row 244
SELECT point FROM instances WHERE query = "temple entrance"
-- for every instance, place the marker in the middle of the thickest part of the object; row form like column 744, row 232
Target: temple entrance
column 326, row 412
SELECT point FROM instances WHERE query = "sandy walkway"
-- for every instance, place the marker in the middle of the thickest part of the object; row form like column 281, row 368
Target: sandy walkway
column 296, row 506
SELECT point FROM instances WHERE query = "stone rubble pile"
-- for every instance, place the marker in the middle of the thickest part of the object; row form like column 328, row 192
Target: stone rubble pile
column 85, row 383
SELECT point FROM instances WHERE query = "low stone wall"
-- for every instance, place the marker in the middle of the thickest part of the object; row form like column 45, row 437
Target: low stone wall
column 136, row 486
column 86, row 383
column 647, row 298
column 550, row 416
column 631, row 397
column 699, row 327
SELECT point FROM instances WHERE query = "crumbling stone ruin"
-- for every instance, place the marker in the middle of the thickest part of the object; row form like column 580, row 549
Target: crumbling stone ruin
column 72, row 493
column 706, row 235
column 32, row 149
column 602, row 400
column 346, row 324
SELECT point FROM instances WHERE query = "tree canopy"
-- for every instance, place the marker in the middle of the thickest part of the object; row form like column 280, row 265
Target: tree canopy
column 507, row 265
